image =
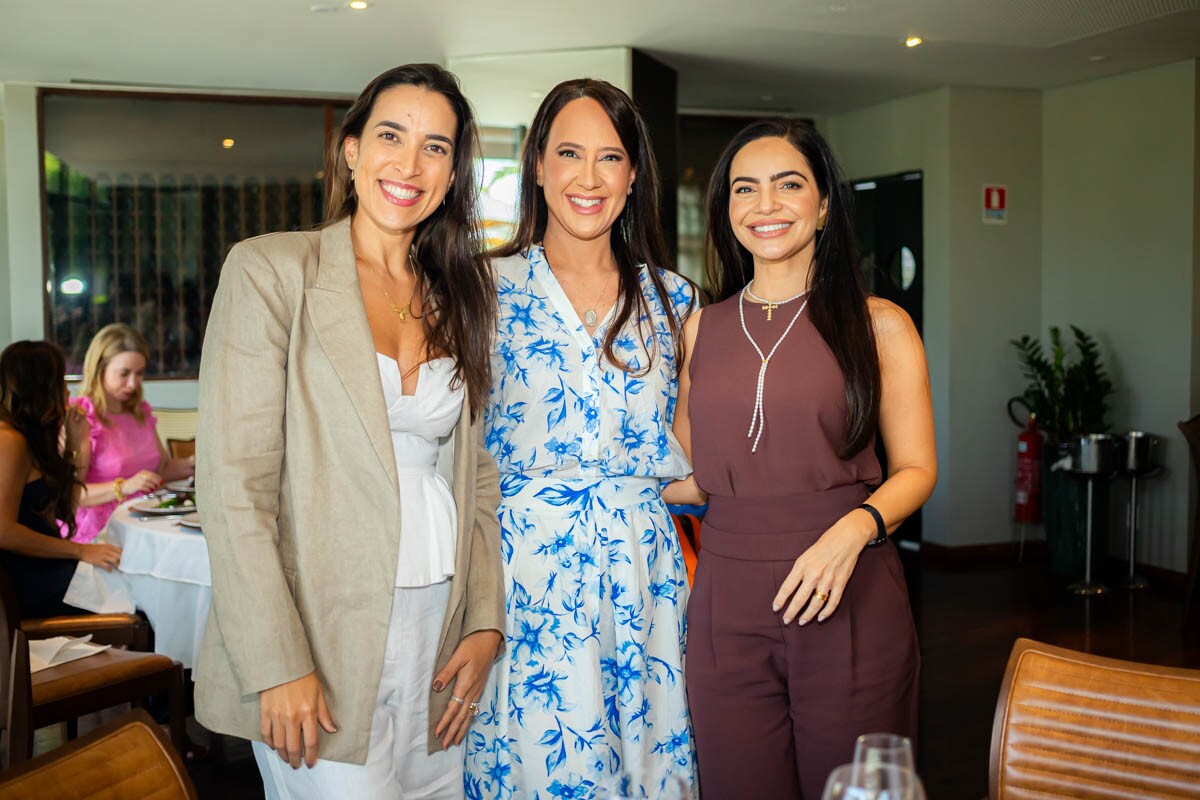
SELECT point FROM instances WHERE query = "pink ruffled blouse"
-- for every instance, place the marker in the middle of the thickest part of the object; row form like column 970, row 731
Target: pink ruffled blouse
column 120, row 449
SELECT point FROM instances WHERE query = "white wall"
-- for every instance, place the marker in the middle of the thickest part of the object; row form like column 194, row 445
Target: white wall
column 5, row 311
column 507, row 89
column 995, row 296
column 23, row 253
column 1120, row 261
column 900, row 136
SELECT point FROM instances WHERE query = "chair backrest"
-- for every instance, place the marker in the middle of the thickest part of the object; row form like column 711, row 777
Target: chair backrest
column 1070, row 724
column 181, row 448
column 1191, row 604
column 18, row 703
column 129, row 758
column 176, row 423
column 10, row 689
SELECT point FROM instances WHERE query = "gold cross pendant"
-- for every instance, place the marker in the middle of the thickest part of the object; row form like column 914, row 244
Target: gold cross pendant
column 769, row 308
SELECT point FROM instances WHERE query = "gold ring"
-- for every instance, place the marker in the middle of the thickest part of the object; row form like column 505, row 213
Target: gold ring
column 458, row 699
column 474, row 709
column 822, row 596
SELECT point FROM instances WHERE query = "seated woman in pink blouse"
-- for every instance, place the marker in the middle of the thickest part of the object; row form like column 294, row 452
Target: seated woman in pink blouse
column 127, row 458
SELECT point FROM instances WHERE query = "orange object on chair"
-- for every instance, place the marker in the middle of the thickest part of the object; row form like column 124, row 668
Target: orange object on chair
column 687, row 527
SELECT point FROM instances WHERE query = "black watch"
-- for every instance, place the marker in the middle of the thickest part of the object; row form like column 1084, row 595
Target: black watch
column 881, row 534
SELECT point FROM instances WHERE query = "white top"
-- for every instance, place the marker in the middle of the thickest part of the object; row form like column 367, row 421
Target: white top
column 420, row 422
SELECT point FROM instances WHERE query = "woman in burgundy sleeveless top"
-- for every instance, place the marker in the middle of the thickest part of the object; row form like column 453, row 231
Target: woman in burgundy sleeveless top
column 800, row 637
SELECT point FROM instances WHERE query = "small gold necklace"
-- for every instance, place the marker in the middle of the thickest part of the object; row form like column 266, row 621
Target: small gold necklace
column 404, row 311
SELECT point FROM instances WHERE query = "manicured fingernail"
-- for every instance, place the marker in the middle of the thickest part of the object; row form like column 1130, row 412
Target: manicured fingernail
column 774, row 606
column 438, row 686
column 821, row 618
column 803, row 622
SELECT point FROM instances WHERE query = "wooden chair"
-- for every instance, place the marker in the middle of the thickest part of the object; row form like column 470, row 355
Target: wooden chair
column 66, row 692
column 128, row 758
column 1070, row 724
column 1191, row 604
column 176, row 423
column 687, row 528
column 181, row 448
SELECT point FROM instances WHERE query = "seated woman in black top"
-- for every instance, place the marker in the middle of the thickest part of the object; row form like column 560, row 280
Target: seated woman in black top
column 38, row 485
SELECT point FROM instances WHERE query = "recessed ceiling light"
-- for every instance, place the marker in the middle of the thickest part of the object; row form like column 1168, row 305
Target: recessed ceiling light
column 359, row 5
column 228, row 143
column 1097, row 58
column 324, row 8
column 913, row 41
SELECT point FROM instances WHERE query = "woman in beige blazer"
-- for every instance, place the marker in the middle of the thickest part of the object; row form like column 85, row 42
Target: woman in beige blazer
column 357, row 604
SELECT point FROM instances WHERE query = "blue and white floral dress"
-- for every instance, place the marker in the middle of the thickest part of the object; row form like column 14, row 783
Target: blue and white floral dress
column 591, row 687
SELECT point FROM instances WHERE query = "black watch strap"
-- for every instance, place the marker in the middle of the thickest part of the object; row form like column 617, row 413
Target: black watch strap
column 881, row 534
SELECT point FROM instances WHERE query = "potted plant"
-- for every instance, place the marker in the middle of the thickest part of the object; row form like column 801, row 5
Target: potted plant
column 1069, row 392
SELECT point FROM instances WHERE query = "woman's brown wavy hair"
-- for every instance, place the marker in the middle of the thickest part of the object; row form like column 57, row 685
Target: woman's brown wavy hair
column 33, row 400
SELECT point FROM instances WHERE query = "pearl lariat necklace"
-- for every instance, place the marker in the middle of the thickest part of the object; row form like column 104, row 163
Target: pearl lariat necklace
column 758, row 420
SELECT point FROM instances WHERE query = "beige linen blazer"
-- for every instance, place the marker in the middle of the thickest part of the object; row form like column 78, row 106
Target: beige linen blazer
column 298, row 495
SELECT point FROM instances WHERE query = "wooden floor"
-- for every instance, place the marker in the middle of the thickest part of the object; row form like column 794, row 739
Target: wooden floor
column 967, row 621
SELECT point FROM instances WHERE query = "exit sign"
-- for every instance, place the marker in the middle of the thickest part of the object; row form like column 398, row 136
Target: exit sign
column 995, row 204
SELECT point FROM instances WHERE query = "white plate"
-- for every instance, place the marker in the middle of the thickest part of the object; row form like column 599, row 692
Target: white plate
column 150, row 509
column 188, row 485
column 194, row 524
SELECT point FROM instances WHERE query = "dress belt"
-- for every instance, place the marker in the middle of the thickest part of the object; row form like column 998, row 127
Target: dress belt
column 522, row 491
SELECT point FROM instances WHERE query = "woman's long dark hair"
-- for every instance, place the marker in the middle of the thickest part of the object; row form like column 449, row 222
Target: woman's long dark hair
column 33, row 402
column 448, row 251
column 636, row 235
column 837, row 300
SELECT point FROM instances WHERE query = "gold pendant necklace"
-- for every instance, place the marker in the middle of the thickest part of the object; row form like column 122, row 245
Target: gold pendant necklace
column 400, row 311
column 404, row 311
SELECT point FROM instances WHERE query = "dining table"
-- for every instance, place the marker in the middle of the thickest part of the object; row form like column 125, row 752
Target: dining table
column 164, row 572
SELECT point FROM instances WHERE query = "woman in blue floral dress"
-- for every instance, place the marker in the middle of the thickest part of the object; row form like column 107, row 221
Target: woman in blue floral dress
column 590, row 693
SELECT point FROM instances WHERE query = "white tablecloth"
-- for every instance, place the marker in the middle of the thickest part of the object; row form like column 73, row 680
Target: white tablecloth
column 164, row 572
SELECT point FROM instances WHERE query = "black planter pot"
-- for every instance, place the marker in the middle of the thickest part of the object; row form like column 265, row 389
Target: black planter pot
column 1064, row 499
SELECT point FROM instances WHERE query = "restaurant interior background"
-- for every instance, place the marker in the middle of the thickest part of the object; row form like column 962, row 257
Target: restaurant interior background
column 1087, row 113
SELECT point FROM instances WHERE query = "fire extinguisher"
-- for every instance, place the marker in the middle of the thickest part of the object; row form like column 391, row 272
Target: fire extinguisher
column 1029, row 473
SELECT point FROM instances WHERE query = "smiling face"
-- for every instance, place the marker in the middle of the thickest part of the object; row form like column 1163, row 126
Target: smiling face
column 123, row 375
column 774, row 203
column 404, row 161
column 584, row 172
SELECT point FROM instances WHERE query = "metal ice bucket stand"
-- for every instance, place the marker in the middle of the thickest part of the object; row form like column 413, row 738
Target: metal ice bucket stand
column 1091, row 458
column 1135, row 457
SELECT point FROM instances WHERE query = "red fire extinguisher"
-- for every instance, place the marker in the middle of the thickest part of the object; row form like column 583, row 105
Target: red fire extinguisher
column 1029, row 473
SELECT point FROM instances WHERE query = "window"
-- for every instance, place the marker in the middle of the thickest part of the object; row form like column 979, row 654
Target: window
column 146, row 193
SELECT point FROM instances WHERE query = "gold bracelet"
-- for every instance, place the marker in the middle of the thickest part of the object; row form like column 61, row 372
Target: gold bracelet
column 118, row 489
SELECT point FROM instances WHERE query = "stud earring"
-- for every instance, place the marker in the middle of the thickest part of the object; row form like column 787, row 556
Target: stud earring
column 821, row 224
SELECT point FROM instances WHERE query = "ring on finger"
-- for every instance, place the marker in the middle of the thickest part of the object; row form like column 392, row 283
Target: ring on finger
column 458, row 700
column 473, row 708
column 822, row 596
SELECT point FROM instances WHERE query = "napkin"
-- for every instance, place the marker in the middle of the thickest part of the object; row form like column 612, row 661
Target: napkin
column 99, row 591
column 44, row 653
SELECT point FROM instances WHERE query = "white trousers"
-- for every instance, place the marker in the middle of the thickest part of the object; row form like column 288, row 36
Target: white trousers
column 398, row 766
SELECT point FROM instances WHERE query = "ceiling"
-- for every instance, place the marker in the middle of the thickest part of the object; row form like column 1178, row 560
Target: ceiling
column 786, row 55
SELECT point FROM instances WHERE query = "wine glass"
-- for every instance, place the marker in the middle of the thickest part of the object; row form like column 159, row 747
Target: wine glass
column 873, row 782
column 884, row 748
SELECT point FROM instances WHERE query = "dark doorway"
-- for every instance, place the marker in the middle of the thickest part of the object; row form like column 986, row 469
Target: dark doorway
column 888, row 220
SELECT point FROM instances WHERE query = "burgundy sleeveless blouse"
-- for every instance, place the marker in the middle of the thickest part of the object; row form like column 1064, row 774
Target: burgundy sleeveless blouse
column 796, row 467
